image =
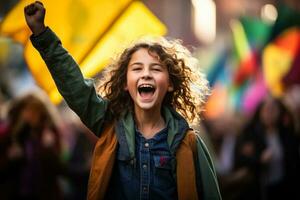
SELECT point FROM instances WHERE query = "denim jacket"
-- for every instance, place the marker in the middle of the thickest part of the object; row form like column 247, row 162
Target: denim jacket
column 81, row 97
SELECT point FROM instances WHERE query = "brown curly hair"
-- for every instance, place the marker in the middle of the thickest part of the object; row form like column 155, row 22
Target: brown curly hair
column 190, row 86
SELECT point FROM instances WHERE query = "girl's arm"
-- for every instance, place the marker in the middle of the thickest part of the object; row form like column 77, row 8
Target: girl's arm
column 79, row 93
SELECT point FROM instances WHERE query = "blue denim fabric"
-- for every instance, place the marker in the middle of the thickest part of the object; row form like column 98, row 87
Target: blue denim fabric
column 149, row 176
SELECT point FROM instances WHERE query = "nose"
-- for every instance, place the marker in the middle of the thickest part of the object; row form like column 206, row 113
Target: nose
column 146, row 74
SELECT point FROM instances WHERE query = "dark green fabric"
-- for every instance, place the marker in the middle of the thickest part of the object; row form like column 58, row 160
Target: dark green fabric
column 207, row 172
column 79, row 93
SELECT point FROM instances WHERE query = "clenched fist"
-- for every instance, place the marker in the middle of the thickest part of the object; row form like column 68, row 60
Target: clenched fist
column 35, row 15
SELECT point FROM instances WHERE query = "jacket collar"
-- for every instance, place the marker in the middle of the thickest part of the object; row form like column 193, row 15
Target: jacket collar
column 125, row 130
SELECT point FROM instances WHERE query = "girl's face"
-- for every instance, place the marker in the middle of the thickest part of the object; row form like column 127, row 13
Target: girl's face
column 147, row 81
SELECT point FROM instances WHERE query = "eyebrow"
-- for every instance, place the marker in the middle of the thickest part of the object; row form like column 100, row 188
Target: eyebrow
column 139, row 63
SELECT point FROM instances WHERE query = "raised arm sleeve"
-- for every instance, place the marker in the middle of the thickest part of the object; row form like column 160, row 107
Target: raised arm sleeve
column 79, row 93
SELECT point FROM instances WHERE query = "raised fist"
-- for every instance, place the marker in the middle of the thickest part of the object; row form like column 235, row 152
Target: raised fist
column 35, row 15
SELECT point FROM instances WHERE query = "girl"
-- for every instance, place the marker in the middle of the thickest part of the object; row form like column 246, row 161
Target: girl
column 145, row 149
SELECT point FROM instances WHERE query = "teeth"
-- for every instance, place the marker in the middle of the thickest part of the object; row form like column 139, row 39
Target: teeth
column 146, row 85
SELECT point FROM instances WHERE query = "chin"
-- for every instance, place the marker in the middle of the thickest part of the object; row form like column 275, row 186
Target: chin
column 146, row 106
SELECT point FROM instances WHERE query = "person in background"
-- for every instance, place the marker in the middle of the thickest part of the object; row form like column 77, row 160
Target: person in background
column 222, row 132
column 269, row 149
column 31, row 150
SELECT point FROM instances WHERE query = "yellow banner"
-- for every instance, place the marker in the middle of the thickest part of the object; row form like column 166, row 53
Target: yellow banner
column 91, row 31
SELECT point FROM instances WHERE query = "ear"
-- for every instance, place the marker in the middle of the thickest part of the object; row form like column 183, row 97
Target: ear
column 170, row 87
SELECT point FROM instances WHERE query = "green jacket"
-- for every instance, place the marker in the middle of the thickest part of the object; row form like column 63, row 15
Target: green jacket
column 80, row 95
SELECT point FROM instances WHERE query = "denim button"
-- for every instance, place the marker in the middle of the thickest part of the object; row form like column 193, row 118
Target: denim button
column 145, row 166
column 146, row 144
column 145, row 189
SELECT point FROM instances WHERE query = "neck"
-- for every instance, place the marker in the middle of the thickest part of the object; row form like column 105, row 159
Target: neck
column 149, row 122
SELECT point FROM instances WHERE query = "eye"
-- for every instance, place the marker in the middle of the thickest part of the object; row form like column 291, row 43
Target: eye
column 136, row 68
column 157, row 68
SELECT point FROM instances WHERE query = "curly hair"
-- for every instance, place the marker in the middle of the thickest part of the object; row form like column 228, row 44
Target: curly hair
column 190, row 85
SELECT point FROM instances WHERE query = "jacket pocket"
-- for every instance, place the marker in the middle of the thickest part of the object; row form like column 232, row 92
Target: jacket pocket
column 125, row 168
column 163, row 176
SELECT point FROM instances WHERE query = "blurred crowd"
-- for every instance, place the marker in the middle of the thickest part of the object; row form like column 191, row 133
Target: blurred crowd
column 46, row 151
column 258, row 156
column 43, row 155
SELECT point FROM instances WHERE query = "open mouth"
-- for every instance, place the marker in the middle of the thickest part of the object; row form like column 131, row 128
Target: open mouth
column 146, row 90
